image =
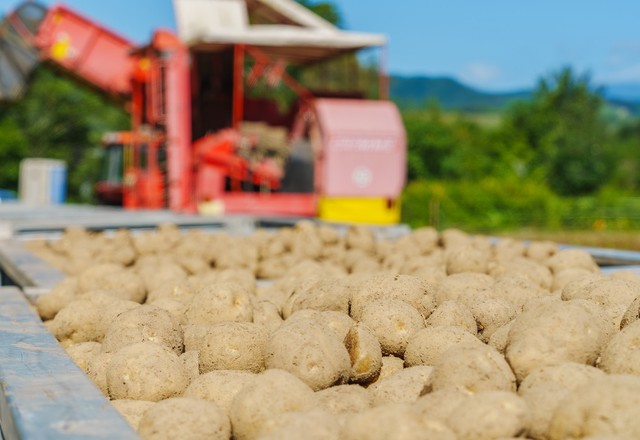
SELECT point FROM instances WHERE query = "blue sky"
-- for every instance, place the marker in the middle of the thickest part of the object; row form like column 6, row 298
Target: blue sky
column 492, row 45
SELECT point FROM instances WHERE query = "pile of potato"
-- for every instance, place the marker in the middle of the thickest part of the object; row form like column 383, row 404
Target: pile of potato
column 435, row 335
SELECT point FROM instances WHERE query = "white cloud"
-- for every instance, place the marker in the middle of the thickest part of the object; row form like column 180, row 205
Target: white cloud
column 480, row 74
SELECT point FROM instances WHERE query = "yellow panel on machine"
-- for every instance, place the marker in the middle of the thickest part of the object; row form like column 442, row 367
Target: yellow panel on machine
column 371, row 210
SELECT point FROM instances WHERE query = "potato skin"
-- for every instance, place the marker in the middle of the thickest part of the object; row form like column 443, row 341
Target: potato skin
column 406, row 385
column 219, row 302
column 233, row 345
column 181, row 417
column 607, row 406
column 473, row 369
column 555, row 332
column 219, row 386
column 310, row 351
column 272, row 392
column 393, row 322
column 365, row 354
column 146, row 371
column 410, row 289
column 426, row 346
column 489, row 415
column 621, row 354
column 144, row 323
column 394, row 421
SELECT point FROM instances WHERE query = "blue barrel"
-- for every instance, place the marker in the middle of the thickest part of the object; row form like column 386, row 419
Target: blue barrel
column 58, row 188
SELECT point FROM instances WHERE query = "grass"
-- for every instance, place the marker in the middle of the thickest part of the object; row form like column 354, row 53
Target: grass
column 627, row 240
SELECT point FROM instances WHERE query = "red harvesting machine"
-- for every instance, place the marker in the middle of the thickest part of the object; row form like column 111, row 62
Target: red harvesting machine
column 200, row 141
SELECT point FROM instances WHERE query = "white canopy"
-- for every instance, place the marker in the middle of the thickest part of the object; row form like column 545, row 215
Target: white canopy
column 286, row 30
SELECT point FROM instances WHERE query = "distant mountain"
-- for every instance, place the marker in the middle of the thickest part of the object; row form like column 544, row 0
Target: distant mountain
column 416, row 91
column 629, row 92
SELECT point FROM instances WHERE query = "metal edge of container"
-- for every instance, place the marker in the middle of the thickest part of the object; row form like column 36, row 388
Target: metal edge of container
column 26, row 269
column 44, row 395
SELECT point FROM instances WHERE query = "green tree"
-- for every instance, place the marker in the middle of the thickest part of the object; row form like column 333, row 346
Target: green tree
column 627, row 156
column 563, row 128
column 327, row 10
column 449, row 146
column 58, row 118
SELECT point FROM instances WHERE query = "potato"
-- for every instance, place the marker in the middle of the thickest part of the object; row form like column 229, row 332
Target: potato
column 541, row 250
column 146, row 371
column 607, row 406
column 545, row 387
column 456, row 285
column 181, row 417
column 124, row 285
column 393, row 322
column 566, row 276
column 343, row 399
column 467, row 259
column 407, row 288
column 233, row 345
column 393, row 421
column 540, row 274
column 144, row 323
column 314, row 424
column 489, row 415
column 425, row 239
column 555, row 332
column 621, row 354
column 632, row 313
column 173, row 306
column 390, row 364
column 490, row 314
column 500, row 338
column 365, row 354
column 323, row 295
column 453, row 314
column 437, row 405
column 272, row 392
column 240, row 276
column 195, row 336
column 517, row 290
column 132, row 410
column 360, row 237
column 406, row 385
column 452, row 237
column 97, row 371
column 426, row 346
column 614, row 295
column 87, row 318
column 571, row 258
column 219, row 386
column 62, row 294
column 157, row 274
column 473, row 369
column 423, row 264
column 339, row 323
column 542, row 401
column 82, row 353
column 191, row 362
column 216, row 303
column 507, row 248
column 267, row 315
column 310, row 351
column 568, row 375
